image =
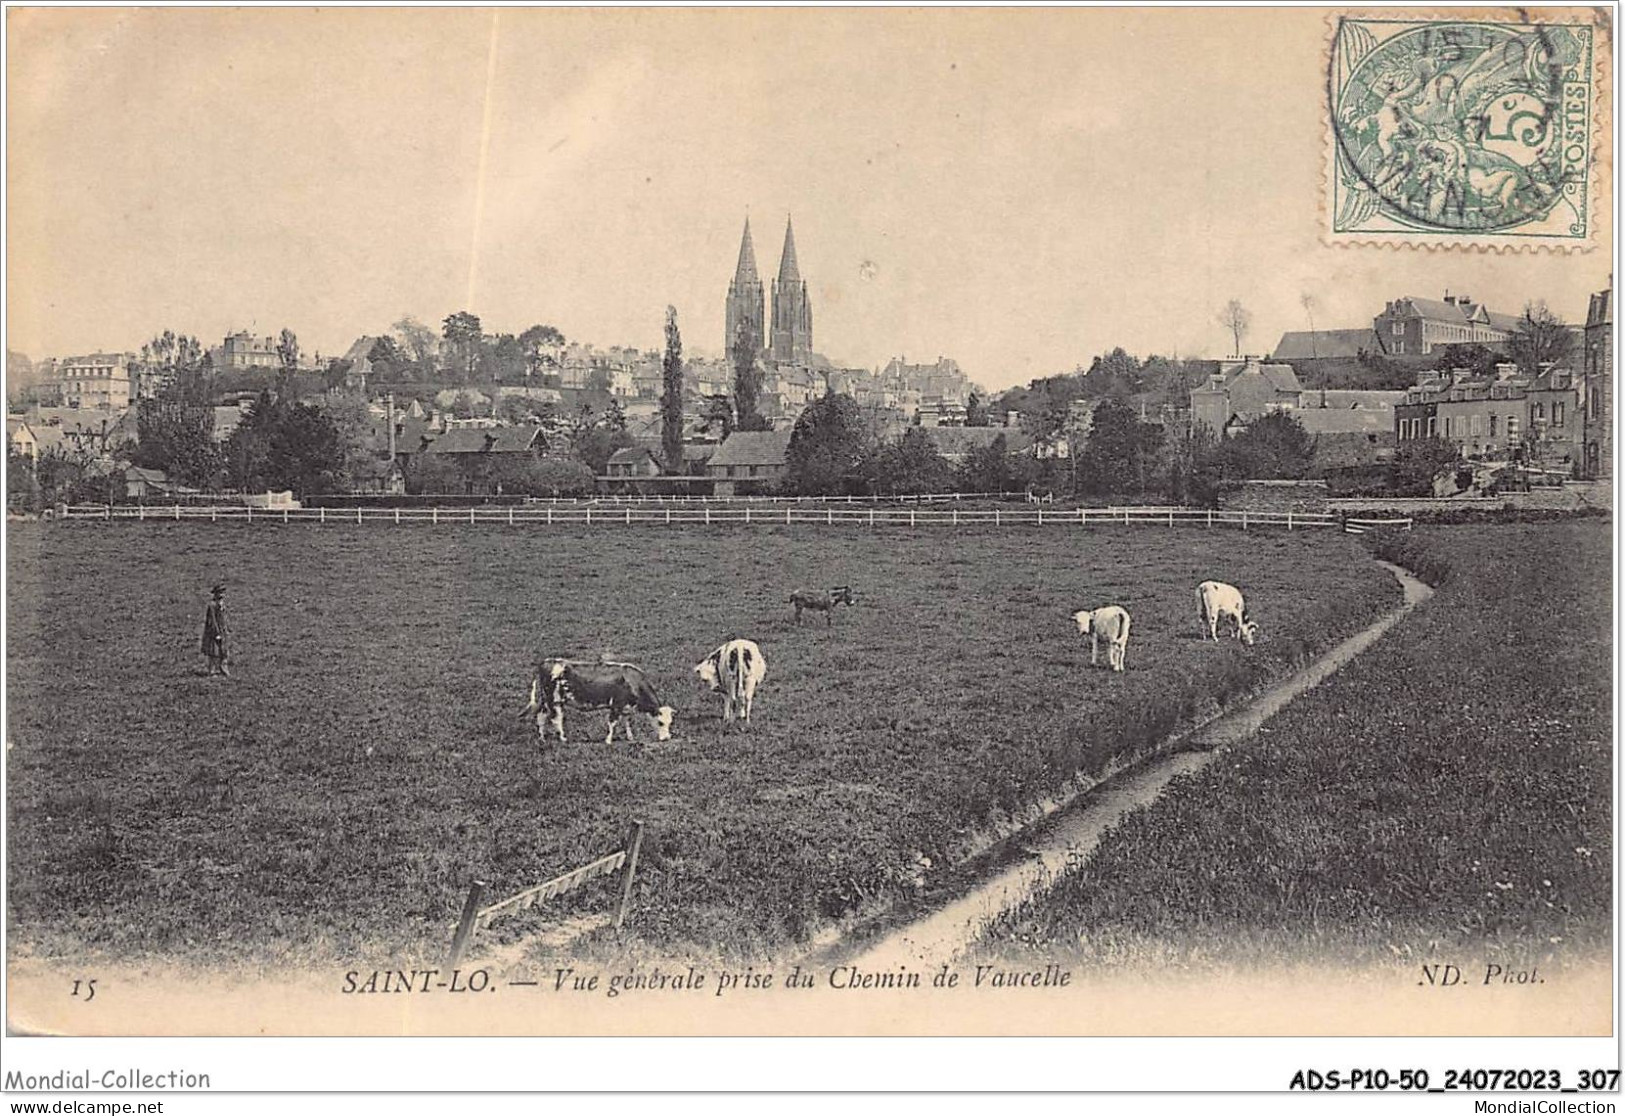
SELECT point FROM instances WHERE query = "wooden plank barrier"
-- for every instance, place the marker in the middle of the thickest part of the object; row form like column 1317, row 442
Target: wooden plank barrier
column 476, row 918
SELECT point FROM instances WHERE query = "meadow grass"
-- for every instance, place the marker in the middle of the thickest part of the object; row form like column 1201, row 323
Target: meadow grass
column 1446, row 795
column 333, row 799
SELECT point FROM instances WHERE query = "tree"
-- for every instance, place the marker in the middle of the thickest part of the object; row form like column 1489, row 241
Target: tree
column 1119, row 454
column 976, row 411
column 912, row 466
column 463, row 334
column 1236, row 320
column 1115, row 374
column 987, row 468
column 671, row 397
column 287, row 355
column 502, row 359
column 1478, row 360
column 747, row 375
column 717, row 414
column 596, row 435
column 1541, row 338
column 280, row 444
column 1275, row 446
column 827, row 448
column 1419, row 460
column 533, row 341
column 1183, row 468
column 417, row 343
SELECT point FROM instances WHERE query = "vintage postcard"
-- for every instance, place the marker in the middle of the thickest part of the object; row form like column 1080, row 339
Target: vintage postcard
column 821, row 522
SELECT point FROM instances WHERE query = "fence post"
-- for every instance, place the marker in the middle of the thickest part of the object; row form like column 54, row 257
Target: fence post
column 1289, row 519
column 629, row 514
column 284, row 515
column 911, row 517
column 747, row 513
column 465, row 925
column 321, row 515
column 1041, row 515
column 214, row 515
column 1243, row 519
column 829, row 516
column 787, row 514
column 708, row 515
column 871, row 515
column 140, row 511
column 589, row 515
column 397, row 515
column 251, row 513
column 1210, row 517
column 635, row 844
column 471, row 513
column 956, row 517
column 550, row 515
column 510, row 515
column 177, row 511
column 995, row 517
column 668, row 515
column 1170, row 517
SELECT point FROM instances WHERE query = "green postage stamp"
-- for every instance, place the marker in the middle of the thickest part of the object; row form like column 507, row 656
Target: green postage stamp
column 1472, row 129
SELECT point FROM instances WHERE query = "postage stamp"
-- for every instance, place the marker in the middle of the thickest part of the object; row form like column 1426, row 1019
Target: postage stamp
column 1465, row 131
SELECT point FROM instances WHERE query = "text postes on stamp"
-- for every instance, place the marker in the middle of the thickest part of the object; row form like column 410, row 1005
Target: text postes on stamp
column 1462, row 132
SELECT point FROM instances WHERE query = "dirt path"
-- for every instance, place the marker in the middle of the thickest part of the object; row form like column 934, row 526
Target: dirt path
column 1071, row 835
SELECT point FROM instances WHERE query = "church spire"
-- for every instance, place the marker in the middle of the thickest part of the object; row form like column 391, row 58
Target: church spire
column 746, row 271
column 789, row 272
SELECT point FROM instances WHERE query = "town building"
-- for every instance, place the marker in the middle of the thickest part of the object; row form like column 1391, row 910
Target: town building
column 956, row 443
column 1245, row 389
column 99, row 380
column 21, row 440
column 749, row 461
column 477, row 452
column 744, row 312
column 790, row 341
column 243, row 350
column 634, row 461
column 1497, row 418
column 1319, row 344
column 1597, row 414
column 1411, row 325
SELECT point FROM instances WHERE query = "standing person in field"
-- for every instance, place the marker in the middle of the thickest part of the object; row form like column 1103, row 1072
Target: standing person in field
column 215, row 633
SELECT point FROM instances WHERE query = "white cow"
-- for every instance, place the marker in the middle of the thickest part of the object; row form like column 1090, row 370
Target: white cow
column 735, row 670
column 1216, row 600
column 1109, row 623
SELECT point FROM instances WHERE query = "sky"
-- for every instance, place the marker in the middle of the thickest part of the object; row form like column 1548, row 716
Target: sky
column 1017, row 190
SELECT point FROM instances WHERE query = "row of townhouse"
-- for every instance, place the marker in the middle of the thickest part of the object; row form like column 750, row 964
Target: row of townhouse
column 1562, row 416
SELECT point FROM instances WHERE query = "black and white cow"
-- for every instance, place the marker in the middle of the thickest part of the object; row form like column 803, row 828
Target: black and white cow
column 734, row 670
column 619, row 687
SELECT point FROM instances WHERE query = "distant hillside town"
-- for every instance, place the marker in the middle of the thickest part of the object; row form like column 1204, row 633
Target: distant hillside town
column 1435, row 395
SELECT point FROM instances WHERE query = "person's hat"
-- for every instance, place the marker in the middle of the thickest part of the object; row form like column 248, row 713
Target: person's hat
column 219, row 590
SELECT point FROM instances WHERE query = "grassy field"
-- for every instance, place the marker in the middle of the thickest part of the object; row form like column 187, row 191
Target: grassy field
column 1448, row 790
column 365, row 761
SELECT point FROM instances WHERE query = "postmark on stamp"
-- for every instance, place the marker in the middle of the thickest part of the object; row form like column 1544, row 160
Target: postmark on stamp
column 1466, row 132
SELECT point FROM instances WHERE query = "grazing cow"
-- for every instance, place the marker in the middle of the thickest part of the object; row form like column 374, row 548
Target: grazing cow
column 619, row 687
column 735, row 670
column 1217, row 601
column 824, row 601
column 1111, row 624
column 1040, row 498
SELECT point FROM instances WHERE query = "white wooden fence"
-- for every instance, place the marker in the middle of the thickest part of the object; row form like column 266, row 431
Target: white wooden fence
column 630, row 515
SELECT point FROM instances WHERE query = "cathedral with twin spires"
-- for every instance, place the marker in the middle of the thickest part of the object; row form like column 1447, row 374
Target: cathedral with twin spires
column 790, row 340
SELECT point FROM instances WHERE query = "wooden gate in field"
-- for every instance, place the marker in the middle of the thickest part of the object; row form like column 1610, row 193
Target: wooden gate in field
column 476, row 917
